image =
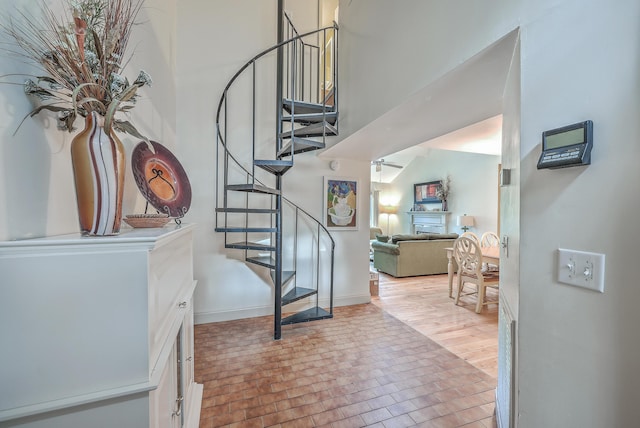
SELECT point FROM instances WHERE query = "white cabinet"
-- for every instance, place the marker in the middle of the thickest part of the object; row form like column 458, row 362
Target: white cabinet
column 98, row 331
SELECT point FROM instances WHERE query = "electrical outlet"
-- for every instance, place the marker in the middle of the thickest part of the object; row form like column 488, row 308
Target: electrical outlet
column 581, row 269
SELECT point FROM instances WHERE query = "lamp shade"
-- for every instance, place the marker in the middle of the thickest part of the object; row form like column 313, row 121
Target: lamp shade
column 388, row 209
column 465, row 220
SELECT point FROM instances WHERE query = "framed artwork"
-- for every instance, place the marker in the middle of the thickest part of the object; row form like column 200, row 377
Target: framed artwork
column 426, row 193
column 340, row 204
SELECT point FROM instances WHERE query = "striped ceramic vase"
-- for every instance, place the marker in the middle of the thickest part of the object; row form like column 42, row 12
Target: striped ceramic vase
column 98, row 169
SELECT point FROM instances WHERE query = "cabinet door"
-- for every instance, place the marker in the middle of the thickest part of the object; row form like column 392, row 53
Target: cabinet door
column 192, row 391
column 163, row 401
column 188, row 350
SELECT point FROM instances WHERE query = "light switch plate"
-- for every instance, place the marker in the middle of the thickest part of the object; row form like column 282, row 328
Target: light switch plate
column 581, row 269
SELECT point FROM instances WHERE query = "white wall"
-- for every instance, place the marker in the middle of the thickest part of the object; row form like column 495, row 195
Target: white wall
column 228, row 288
column 392, row 50
column 37, row 195
column 578, row 349
column 474, row 188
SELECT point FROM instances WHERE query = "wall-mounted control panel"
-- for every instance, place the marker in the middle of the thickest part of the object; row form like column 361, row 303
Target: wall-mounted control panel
column 567, row 146
column 581, row 269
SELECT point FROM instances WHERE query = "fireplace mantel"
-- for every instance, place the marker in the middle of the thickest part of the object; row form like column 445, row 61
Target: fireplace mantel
column 429, row 221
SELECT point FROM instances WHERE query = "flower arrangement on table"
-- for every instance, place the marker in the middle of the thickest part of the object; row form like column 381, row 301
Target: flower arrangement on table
column 83, row 57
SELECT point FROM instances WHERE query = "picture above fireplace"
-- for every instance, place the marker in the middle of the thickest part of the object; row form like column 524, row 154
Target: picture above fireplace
column 426, row 193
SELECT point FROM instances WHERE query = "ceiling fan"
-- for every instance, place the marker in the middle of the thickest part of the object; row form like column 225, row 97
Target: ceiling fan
column 378, row 163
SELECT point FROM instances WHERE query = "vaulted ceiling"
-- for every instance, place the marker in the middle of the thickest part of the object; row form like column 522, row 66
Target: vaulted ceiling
column 459, row 111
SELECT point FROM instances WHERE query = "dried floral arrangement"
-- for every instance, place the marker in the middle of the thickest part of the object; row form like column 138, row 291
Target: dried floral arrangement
column 82, row 54
column 443, row 190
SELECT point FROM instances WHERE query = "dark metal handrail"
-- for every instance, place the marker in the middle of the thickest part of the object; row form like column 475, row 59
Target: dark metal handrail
column 254, row 59
column 333, row 243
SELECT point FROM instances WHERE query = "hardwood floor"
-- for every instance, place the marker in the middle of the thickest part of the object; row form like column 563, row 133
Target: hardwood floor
column 371, row 365
column 422, row 302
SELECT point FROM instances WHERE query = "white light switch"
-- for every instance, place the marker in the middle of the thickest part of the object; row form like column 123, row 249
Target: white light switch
column 581, row 269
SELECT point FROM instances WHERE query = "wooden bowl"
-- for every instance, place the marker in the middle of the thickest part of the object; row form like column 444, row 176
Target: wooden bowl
column 146, row 220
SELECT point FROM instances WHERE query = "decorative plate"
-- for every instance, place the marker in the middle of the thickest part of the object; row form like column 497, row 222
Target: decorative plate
column 161, row 179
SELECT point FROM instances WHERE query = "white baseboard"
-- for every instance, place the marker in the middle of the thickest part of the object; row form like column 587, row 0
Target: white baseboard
column 260, row 311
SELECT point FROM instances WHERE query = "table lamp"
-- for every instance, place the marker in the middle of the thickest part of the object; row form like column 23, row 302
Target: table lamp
column 466, row 221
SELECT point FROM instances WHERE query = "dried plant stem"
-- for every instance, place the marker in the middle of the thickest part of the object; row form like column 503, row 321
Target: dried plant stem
column 82, row 53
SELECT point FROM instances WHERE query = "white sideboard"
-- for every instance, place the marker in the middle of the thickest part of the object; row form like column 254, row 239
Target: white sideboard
column 98, row 331
column 429, row 221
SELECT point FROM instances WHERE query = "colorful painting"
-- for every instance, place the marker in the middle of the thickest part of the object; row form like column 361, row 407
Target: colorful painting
column 425, row 193
column 340, row 203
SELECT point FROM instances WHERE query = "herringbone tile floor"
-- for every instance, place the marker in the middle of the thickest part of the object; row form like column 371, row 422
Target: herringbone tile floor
column 362, row 368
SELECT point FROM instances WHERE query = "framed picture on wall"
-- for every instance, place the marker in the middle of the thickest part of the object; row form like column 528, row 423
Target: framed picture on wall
column 426, row 193
column 340, row 204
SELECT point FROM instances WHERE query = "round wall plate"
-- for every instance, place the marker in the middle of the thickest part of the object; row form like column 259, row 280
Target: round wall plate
column 161, row 179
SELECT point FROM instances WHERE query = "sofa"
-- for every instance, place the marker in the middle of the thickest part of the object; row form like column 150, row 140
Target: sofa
column 374, row 233
column 413, row 255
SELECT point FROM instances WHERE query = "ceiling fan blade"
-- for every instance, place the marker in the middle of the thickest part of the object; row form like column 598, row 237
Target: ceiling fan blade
column 380, row 162
column 393, row 165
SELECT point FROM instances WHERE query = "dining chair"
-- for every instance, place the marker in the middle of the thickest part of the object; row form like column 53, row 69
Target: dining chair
column 471, row 235
column 490, row 239
column 468, row 256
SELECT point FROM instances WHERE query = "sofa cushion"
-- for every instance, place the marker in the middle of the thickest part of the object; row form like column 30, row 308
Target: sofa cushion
column 445, row 236
column 382, row 238
column 423, row 236
column 416, row 237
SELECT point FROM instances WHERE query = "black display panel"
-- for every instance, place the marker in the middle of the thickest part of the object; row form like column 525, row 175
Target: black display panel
column 567, row 146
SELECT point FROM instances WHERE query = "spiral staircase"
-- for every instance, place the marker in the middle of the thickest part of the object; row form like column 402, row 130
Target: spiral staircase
column 281, row 103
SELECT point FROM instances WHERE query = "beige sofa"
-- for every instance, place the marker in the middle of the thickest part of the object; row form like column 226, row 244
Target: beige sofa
column 413, row 255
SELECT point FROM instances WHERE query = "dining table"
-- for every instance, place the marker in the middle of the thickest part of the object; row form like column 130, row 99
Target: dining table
column 490, row 255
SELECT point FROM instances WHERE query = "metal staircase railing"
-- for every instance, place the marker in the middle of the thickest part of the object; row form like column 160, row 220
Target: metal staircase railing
column 251, row 160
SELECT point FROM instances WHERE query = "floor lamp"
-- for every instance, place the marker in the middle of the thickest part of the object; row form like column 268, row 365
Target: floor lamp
column 388, row 210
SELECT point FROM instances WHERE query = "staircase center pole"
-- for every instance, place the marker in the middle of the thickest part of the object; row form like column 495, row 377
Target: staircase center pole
column 279, row 73
column 277, row 330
